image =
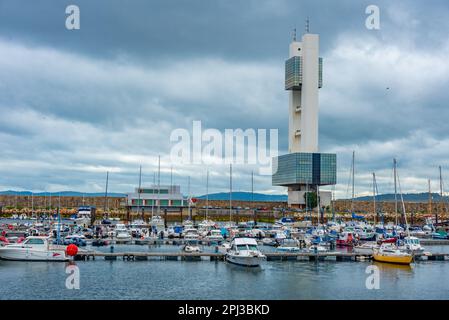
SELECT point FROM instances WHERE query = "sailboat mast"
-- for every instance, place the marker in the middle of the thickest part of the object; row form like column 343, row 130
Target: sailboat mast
column 171, row 177
column 230, row 193
column 332, row 202
column 353, row 182
column 374, row 198
column 152, row 202
column 188, row 196
column 430, row 197
column 395, row 191
column 252, row 186
column 307, row 200
column 159, row 185
column 319, row 204
column 106, row 193
column 403, row 208
column 139, row 189
column 32, row 204
column 441, row 195
column 207, row 193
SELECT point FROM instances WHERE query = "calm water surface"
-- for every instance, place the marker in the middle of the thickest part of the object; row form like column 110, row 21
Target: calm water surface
column 156, row 279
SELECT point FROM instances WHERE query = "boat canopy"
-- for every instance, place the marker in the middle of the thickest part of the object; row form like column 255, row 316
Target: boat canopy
column 244, row 241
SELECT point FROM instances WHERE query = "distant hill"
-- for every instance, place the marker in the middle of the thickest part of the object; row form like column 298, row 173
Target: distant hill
column 409, row 197
column 238, row 196
column 62, row 193
column 246, row 196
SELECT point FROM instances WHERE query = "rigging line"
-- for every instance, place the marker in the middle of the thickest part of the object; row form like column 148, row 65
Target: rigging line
column 379, row 207
column 349, row 184
column 403, row 204
column 445, row 198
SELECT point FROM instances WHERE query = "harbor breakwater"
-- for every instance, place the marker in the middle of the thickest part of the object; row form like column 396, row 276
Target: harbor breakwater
column 116, row 206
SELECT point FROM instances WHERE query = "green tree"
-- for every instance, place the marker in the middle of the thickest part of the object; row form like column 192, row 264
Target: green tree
column 311, row 200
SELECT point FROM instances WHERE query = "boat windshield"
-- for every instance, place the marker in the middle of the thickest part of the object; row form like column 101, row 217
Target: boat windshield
column 252, row 247
column 34, row 241
column 241, row 247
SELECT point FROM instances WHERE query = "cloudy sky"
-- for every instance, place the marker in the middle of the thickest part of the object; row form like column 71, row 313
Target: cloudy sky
column 77, row 103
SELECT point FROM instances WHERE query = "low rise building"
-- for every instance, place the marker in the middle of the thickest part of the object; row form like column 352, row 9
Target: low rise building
column 153, row 197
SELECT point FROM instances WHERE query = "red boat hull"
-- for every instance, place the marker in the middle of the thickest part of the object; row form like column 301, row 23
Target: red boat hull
column 389, row 240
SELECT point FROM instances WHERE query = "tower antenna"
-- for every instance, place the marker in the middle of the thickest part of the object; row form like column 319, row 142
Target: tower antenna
column 294, row 34
column 307, row 25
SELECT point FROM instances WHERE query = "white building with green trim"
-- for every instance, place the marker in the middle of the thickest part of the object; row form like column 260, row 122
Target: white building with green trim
column 164, row 196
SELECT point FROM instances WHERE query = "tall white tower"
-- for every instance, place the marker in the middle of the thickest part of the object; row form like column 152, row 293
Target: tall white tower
column 303, row 78
column 303, row 169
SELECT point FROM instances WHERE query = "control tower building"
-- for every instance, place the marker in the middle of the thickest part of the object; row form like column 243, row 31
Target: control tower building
column 304, row 168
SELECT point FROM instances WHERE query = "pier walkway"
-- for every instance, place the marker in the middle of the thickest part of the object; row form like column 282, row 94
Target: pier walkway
column 217, row 256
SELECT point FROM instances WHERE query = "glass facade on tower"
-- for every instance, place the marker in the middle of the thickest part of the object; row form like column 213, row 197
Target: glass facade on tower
column 305, row 168
column 293, row 73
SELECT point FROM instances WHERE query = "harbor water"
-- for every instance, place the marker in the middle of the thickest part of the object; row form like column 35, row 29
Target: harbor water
column 161, row 279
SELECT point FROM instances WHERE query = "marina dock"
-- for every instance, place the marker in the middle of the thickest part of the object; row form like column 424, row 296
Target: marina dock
column 217, row 256
column 177, row 241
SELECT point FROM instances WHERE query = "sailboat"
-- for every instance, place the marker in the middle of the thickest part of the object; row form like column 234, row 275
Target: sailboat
column 391, row 253
column 207, row 225
column 105, row 209
column 230, row 225
column 367, row 248
column 157, row 223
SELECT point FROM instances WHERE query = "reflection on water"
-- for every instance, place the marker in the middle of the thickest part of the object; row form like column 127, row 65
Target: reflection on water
column 394, row 268
column 155, row 279
column 158, row 279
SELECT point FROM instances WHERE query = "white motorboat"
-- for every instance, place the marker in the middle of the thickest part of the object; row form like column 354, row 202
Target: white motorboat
column 83, row 217
column 287, row 249
column 280, row 235
column 366, row 248
column 412, row 244
column 316, row 248
column 188, row 224
column 244, row 252
column 123, row 236
column 215, row 235
column 269, row 242
column 157, row 222
column 192, row 246
column 33, row 249
column 138, row 223
column 289, row 245
column 191, row 234
column 224, row 247
column 121, row 233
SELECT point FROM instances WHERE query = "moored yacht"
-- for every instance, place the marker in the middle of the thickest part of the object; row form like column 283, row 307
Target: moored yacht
column 157, row 222
column 244, row 252
column 391, row 254
column 121, row 233
column 191, row 234
column 366, row 248
column 215, row 235
column 83, row 217
column 33, row 249
column 192, row 246
column 411, row 244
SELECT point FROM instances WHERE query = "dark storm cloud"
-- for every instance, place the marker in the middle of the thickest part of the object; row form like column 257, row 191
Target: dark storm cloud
column 74, row 104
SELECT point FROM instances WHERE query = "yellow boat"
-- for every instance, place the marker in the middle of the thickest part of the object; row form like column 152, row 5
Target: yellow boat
column 391, row 254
